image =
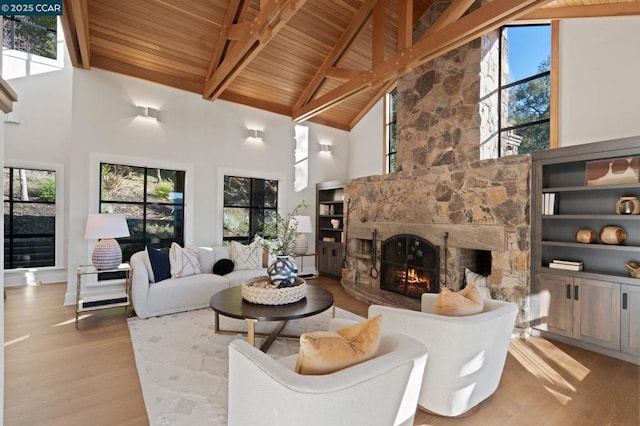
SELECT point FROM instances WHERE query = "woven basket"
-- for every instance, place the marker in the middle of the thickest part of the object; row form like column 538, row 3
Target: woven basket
column 260, row 291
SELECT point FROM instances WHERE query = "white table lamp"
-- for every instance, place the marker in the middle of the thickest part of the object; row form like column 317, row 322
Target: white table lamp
column 106, row 227
column 303, row 226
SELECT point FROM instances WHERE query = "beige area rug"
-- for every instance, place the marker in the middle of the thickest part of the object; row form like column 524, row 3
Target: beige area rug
column 182, row 363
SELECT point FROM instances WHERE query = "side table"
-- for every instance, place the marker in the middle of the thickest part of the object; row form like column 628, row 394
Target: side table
column 103, row 301
column 299, row 259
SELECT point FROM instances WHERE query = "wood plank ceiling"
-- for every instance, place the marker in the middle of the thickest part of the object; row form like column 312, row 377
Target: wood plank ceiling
column 327, row 61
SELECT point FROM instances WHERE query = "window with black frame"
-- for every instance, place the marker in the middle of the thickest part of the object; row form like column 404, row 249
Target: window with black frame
column 29, row 218
column 249, row 203
column 152, row 200
column 391, row 131
column 525, row 89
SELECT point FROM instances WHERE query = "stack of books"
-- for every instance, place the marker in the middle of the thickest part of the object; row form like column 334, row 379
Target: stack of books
column 569, row 265
column 549, row 203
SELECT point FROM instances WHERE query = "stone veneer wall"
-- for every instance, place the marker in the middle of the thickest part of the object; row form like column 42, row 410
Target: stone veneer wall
column 487, row 192
column 441, row 116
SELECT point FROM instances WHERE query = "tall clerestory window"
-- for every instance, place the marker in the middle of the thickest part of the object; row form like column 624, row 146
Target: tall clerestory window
column 391, row 131
column 524, row 92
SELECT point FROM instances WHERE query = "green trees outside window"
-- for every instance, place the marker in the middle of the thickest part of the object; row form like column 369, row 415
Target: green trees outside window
column 152, row 200
column 29, row 218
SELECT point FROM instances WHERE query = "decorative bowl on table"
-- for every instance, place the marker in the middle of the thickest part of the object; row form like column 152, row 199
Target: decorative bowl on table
column 259, row 290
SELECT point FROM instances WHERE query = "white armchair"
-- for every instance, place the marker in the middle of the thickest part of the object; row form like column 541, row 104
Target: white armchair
column 381, row 391
column 466, row 354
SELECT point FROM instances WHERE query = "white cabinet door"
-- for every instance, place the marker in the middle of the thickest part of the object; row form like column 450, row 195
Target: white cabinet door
column 630, row 320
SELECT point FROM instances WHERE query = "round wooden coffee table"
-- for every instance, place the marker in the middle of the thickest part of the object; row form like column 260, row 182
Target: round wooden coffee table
column 230, row 303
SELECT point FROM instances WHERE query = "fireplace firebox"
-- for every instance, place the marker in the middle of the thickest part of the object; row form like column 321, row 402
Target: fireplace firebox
column 409, row 265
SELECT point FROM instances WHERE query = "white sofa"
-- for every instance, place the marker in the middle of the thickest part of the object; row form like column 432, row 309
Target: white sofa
column 382, row 391
column 182, row 294
column 466, row 354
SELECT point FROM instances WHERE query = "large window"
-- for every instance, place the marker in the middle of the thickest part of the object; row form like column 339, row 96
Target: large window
column 31, row 34
column 29, row 218
column 391, row 131
column 249, row 203
column 525, row 89
column 152, row 200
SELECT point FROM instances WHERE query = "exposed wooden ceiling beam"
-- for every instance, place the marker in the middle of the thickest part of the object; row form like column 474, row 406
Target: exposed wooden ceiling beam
column 405, row 24
column 222, row 42
column 272, row 17
column 343, row 43
column 69, row 30
column 80, row 16
column 467, row 28
column 343, row 74
column 591, row 11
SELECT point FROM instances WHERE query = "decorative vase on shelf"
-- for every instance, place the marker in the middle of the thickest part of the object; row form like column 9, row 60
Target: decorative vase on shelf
column 283, row 272
column 612, row 234
column 628, row 205
column 585, row 236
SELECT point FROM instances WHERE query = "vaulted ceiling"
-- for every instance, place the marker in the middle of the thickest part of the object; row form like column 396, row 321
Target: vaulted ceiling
column 327, row 61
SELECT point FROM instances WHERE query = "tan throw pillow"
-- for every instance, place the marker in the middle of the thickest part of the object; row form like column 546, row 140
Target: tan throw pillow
column 467, row 301
column 324, row 352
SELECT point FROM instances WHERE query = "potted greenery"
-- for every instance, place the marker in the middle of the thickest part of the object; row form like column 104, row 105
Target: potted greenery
column 278, row 239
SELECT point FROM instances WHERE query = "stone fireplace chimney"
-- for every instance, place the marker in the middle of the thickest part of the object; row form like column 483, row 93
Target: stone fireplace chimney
column 444, row 117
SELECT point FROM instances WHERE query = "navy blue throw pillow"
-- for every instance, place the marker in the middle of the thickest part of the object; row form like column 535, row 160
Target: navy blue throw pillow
column 223, row 267
column 159, row 263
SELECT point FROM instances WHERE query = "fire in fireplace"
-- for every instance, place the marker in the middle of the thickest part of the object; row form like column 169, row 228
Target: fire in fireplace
column 410, row 265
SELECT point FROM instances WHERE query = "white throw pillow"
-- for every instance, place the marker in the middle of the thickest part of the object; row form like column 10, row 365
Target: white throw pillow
column 477, row 280
column 183, row 261
column 246, row 257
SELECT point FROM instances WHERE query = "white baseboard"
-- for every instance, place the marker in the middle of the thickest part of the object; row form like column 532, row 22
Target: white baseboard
column 20, row 277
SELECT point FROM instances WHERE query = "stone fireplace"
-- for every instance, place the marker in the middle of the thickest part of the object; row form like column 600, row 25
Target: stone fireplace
column 409, row 265
column 474, row 211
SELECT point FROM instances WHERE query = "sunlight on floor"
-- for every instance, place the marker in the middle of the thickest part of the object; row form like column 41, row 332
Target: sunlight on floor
column 548, row 363
column 71, row 321
column 19, row 339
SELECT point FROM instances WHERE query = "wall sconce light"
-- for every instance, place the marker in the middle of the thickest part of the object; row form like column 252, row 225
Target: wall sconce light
column 255, row 134
column 148, row 112
column 325, row 147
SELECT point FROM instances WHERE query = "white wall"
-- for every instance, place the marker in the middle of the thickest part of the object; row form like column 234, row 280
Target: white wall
column 93, row 114
column 367, row 142
column 42, row 136
column 599, row 83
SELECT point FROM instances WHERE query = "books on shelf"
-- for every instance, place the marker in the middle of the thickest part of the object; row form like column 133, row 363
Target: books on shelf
column 549, row 203
column 569, row 265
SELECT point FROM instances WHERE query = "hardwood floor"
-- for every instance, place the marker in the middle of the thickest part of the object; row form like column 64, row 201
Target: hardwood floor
column 57, row 375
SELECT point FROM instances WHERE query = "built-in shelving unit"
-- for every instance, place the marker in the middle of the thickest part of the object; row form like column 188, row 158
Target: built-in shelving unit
column 586, row 307
column 330, row 227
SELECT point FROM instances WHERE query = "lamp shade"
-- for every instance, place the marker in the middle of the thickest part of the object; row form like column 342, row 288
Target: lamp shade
column 106, row 227
column 303, row 224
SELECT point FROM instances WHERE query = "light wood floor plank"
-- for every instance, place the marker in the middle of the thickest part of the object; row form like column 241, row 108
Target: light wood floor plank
column 57, row 375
